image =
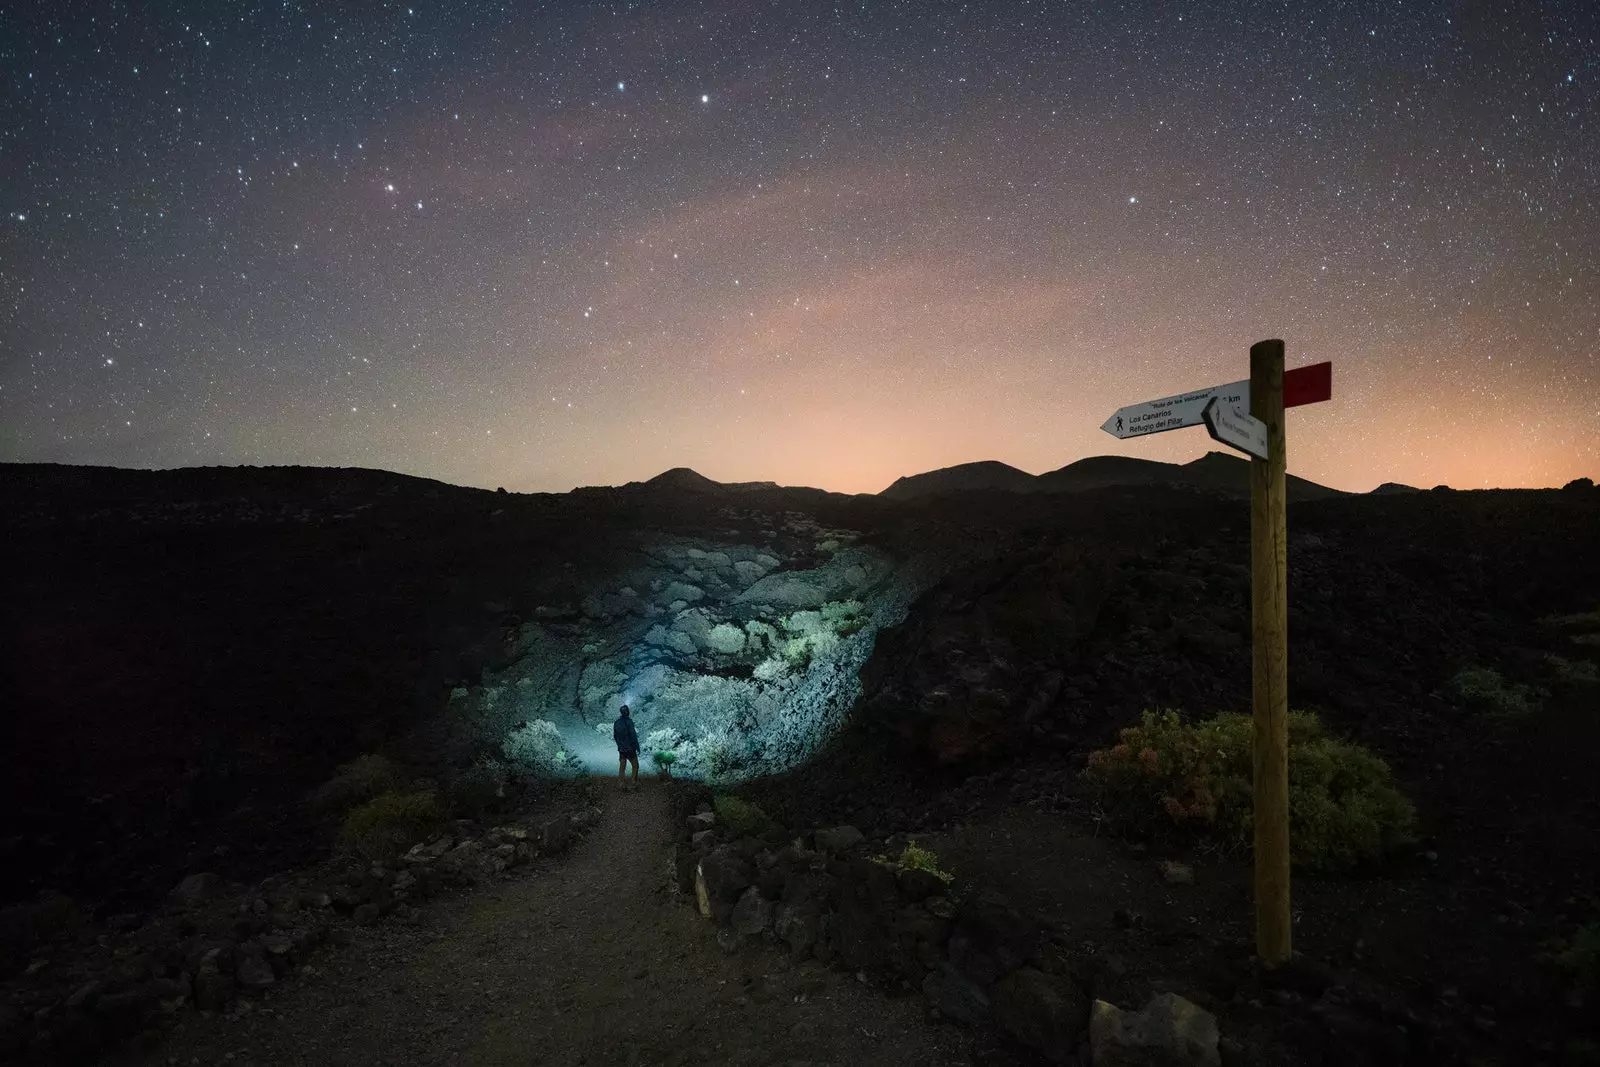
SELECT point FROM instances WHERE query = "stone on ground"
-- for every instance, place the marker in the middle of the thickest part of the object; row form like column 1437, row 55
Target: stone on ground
column 955, row 995
column 1169, row 1032
column 1045, row 1012
column 752, row 914
column 838, row 839
column 1176, row 873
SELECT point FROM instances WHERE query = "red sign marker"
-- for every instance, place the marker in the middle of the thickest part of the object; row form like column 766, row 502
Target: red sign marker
column 1308, row 385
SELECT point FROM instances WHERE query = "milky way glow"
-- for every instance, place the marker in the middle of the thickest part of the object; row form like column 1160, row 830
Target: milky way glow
column 579, row 245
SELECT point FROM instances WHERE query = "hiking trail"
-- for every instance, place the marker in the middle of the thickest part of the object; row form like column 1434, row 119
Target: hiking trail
column 582, row 959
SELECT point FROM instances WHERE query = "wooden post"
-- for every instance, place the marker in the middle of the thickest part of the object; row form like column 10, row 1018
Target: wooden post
column 1269, row 624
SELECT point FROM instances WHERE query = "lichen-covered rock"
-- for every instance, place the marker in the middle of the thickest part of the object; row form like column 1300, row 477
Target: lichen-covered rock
column 1169, row 1032
column 690, row 594
column 726, row 639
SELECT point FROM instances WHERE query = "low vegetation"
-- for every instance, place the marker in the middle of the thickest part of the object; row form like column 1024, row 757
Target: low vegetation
column 390, row 823
column 480, row 789
column 1579, row 958
column 1483, row 690
column 359, row 780
column 1167, row 776
column 740, row 816
column 923, row 859
column 1582, row 671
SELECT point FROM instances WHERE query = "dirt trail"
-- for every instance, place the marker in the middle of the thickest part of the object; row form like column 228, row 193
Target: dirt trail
column 583, row 959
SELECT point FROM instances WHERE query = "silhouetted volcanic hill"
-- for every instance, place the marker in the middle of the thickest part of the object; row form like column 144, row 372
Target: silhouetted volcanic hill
column 964, row 477
column 1392, row 488
column 1230, row 473
column 189, row 651
column 1216, row 471
column 683, row 479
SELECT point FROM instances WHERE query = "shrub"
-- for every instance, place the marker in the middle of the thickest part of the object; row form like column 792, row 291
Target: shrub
column 361, row 779
column 1481, row 689
column 923, row 859
column 797, row 653
column 1580, row 958
column 1165, row 774
column 1566, row 670
column 536, row 747
column 480, row 789
column 771, row 669
column 837, row 612
column 390, row 823
column 665, row 739
column 740, row 816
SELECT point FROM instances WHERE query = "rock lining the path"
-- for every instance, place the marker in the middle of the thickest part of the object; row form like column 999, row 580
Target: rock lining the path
column 215, row 945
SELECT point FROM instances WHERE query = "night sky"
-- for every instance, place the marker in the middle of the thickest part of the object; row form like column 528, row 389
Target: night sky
column 547, row 245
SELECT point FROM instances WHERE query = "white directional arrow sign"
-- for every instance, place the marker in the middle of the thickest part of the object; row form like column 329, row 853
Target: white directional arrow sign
column 1174, row 412
column 1234, row 428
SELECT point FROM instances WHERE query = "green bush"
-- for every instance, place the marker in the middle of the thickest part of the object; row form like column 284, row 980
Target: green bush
column 1196, row 777
column 1580, row 958
column 359, row 780
column 740, row 816
column 923, row 859
column 390, row 823
column 480, row 789
column 1481, row 689
column 1565, row 670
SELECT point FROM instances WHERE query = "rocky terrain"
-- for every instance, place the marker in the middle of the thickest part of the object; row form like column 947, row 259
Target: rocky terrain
column 194, row 651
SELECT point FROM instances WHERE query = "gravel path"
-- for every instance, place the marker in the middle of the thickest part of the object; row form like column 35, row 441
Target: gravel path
column 584, row 959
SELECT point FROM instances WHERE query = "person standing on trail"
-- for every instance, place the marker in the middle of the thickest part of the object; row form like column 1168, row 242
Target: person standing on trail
column 627, row 739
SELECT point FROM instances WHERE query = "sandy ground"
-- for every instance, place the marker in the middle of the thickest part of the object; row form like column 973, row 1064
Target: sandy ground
column 584, row 959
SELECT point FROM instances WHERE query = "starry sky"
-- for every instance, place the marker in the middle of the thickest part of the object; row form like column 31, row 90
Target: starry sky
column 541, row 245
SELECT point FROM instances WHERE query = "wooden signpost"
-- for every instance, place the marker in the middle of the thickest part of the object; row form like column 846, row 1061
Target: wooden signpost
column 1248, row 416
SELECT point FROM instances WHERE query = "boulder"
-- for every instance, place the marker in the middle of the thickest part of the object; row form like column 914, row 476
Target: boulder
column 197, row 888
column 992, row 939
column 212, row 989
column 254, row 972
column 703, row 840
column 838, row 838
column 752, row 915
column 1047, row 1013
column 704, row 820
column 1176, row 873
column 1169, row 1032
column 720, row 879
column 917, row 884
column 955, row 996
column 683, row 591
column 799, row 926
